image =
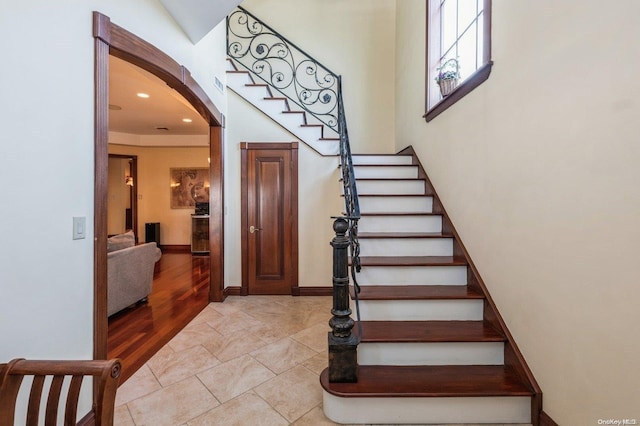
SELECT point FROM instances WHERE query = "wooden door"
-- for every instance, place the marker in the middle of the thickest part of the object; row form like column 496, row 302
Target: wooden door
column 269, row 218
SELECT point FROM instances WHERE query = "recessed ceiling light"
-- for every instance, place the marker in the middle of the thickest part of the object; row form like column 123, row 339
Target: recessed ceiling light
column 113, row 107
column 143, row 95
column 187, row 120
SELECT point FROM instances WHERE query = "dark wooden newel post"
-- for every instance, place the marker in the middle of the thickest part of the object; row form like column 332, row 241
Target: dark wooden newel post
column 343, row 345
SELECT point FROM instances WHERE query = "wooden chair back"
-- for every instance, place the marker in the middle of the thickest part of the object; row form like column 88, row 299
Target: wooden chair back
column 106, row 375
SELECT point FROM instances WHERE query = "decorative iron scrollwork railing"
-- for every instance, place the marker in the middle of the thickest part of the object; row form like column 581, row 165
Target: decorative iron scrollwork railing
column 284, row 66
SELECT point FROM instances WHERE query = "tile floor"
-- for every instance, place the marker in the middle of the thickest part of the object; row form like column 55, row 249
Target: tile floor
column 252, row 360
column 249, row 361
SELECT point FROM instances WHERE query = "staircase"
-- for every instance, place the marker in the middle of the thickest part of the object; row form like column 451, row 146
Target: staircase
column 431, row 345
column 433, row 348
column 281, row 80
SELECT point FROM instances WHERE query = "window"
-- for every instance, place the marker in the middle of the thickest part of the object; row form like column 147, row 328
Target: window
column 458, row 50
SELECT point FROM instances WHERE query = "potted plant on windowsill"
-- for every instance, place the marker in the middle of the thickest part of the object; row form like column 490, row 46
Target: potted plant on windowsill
column 448, row 76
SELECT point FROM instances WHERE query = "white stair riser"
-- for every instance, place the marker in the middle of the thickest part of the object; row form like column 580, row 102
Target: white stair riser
column 436, row 353
column 456, row 410
column 406, row 246
column 255, row 93
column 413, row 275
column 420, row 310
column 237, row 79
column 424, row 223
column 411, row 187
column 382, row 159
column 291, row 122
column 395, row 204
column 328, row 131
column 274, row 108
column 309, row 133
column 386, row 172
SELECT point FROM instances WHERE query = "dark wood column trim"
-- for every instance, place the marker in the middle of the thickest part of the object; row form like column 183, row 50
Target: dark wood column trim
column 244, row 220
column 101, row 165
column 216, row 215
column 295, row 289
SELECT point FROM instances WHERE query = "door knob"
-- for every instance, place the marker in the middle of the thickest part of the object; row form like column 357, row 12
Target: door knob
column 253, row 229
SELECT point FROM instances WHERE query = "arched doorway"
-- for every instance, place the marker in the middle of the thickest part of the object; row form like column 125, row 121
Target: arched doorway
column 111, row 39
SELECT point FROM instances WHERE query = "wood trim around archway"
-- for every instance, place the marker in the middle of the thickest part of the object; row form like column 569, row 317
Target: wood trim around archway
column 111, row 39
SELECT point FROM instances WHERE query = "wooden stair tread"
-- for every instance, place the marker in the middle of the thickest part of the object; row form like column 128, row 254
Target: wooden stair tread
column 412, row 260
column 392, row 195
column 364, row 235
column 428, row 331
column 385, row 165
column 416, row 292
column 393, row 179
column 429, row 381
column 381, row 155
column 401, row 214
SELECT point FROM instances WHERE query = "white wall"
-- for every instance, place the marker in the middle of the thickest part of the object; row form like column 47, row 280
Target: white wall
column 538, row 169
column 211, row 54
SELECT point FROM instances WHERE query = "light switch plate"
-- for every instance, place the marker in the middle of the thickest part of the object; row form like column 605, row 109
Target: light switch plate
column 79, row 228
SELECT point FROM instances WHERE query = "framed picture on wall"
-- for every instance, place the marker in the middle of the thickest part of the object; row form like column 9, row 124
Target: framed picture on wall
column 188, row 186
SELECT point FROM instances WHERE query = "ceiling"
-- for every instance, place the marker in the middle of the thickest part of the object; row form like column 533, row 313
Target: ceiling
column 198, row 17
column 160, row 114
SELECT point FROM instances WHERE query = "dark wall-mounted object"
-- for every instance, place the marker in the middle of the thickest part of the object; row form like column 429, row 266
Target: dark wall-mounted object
column 152, row 233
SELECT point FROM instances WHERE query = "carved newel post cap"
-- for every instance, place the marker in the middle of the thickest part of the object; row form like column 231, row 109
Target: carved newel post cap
column 340, row 226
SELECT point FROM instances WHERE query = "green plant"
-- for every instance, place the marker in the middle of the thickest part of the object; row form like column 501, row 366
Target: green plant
column 449, row 70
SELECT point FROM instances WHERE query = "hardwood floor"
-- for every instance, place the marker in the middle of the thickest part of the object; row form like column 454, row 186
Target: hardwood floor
column 180, row 292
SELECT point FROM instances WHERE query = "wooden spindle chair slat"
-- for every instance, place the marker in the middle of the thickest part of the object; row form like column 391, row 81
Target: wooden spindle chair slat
column 35, row 397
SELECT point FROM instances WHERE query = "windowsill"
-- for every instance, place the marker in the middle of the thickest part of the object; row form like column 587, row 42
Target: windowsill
column 460, row 92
